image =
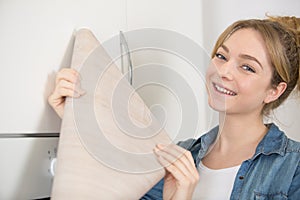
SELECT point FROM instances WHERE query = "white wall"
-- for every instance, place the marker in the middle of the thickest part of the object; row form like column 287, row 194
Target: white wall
column 217, row 15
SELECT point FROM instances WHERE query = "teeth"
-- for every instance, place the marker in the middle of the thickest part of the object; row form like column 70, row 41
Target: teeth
column 224, row 91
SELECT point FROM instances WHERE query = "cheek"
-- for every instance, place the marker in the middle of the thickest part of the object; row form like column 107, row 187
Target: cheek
column 253, row 91
column 253, row 85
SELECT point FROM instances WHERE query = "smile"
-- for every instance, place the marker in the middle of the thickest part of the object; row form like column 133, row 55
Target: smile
column 224, row 90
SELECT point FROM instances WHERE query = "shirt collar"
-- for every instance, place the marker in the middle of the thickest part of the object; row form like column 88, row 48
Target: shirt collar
column 275, row 141
column 205, row 142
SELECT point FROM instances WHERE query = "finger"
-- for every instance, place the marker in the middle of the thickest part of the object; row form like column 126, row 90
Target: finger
column 66, row 89
column 178, row 175
column 187, row 181
column 188, row 158
column 65, row 84
column 67, row 74
column 72, row 76
column 179, row 162
column 72, row 86
column 69, row 71
column 177, row 150
column 182, row 154
column 64, row 92
column 172, row 149
column 60, row 96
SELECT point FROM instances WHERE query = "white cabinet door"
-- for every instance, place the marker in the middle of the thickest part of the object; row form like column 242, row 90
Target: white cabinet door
column 36, row 39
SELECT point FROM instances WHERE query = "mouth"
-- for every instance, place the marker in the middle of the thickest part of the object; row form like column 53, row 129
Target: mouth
column 223, row 90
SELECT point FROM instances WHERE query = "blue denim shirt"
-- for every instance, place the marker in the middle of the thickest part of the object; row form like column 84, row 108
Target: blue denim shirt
column 272, row 173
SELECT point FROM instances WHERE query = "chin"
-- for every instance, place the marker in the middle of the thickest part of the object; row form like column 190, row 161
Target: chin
column 217, row 105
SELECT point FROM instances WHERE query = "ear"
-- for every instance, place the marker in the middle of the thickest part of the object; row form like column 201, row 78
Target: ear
column 274, row 93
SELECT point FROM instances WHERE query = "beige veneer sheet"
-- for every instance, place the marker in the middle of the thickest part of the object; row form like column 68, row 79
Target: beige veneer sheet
column 108, row 135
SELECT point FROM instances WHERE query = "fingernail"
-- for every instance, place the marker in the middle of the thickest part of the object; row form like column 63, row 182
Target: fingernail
column 161, row 146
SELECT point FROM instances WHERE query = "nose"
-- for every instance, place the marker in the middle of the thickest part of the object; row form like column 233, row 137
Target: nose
column 225, row 70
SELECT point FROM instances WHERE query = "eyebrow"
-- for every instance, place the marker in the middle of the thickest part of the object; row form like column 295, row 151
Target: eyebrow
column 245, row 56
column 225, row 48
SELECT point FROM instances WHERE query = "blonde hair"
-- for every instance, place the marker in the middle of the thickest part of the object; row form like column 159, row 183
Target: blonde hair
column 282, row 39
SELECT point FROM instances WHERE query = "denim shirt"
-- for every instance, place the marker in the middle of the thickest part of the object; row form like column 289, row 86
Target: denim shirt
column 272, row 173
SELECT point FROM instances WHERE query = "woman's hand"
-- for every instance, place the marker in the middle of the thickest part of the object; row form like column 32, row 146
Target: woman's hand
column 65, row 86
column 181, row 174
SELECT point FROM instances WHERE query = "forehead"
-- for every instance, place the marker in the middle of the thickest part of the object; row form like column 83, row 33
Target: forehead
column 248, row 41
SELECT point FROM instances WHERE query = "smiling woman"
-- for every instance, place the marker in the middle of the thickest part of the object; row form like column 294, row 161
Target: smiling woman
column 254, row 67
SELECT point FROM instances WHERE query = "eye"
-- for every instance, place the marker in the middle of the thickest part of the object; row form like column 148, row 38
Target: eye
column 248, row 68
column 220, row 56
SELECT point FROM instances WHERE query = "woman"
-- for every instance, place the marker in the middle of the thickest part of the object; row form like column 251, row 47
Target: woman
column 254, row 67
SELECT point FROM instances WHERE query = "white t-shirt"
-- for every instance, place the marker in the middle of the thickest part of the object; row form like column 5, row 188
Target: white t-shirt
column 215, row 184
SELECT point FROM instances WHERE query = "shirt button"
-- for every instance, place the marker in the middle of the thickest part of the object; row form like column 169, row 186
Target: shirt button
column 241, row 177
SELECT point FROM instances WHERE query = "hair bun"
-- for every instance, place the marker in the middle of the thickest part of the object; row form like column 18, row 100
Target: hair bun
column 292, row 23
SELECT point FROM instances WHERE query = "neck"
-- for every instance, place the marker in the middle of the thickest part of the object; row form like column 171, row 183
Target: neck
column 239, row 130
column 238, row 138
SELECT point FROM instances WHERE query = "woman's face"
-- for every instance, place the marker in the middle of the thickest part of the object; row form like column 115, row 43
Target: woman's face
column 238, row 78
